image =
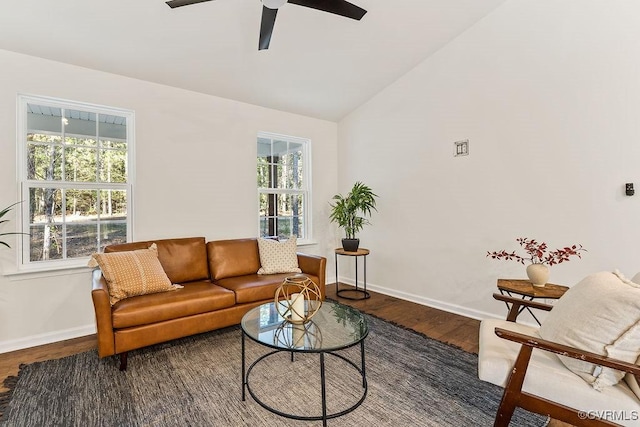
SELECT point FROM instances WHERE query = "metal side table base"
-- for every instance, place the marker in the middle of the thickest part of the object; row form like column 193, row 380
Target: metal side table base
column 344, row 293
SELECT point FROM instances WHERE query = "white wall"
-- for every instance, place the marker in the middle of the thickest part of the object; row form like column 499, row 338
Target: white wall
column 195, row 176
column 548, row 93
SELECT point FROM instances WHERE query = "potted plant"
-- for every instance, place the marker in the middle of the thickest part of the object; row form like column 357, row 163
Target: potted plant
column 539, row 257
column 2, row 214
column 350, row 213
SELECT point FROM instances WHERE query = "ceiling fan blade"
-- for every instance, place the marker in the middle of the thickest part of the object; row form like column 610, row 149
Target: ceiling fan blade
column 177, row 3
column 338, row 7
column 266, row 27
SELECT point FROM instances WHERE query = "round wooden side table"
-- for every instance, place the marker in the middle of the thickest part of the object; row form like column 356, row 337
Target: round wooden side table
column 361, row 252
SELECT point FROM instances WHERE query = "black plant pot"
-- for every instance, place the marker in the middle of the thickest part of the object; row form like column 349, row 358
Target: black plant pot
column 350, row 245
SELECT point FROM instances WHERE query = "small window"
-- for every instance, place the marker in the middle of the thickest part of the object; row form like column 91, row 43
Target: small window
column 75, row 178
column 283, row 186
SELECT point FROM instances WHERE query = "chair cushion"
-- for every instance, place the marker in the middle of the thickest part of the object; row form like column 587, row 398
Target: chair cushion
column 496, row 355
column 632, row 380
column 548, row 377
column 193, row 298
column 278, row 256
column 132, row 273
column 600, row 314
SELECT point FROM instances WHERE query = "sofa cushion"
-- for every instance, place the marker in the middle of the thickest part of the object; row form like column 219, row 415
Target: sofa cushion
column 278, row 257
column 230, row 258
column 600, row 314
column 184, row 260
column 193, row 298
column 256, row 287
column 132, row 273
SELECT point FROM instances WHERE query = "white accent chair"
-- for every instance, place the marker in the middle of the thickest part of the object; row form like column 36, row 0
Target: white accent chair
column 515, row 357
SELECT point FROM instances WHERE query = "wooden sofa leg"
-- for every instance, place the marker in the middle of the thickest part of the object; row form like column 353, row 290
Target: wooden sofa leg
column 513, row 389
column 123, row 361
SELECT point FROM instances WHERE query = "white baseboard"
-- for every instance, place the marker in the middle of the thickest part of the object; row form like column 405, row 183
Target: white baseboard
column 48, row 338
column 440, row 305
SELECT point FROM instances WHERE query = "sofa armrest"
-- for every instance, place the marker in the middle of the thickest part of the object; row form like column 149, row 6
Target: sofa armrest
column 314, row 265
column 518, row 304
column 102, row 307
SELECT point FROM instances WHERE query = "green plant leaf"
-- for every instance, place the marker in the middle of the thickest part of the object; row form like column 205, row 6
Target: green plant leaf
column 350, row 211
column 3, row 213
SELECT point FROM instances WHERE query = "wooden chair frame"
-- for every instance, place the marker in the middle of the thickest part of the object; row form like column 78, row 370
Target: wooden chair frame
column 514, row 397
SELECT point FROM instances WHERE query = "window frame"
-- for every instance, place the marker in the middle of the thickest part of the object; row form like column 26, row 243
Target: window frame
column 24, row 264
column 305, row 191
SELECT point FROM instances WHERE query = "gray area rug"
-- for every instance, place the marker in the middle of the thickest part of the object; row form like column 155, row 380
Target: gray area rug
column 196, row 381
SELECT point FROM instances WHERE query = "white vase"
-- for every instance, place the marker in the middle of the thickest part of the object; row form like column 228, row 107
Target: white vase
column 538, row 274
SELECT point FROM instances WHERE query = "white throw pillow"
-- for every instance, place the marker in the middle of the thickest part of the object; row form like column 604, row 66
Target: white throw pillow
column 278, row 257
column 600, row 314
column 636, row 280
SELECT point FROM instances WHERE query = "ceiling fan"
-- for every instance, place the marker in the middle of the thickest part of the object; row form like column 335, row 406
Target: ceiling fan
column 270, row 10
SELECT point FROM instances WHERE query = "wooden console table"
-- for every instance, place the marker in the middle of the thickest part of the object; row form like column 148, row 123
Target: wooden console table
column 528, row 291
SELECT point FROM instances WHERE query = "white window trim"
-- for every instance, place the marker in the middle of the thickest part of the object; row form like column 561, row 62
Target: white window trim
column 23, row 217
column 308, row 208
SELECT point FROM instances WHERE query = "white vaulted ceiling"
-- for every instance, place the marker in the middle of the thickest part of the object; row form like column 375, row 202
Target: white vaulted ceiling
column 320, row 65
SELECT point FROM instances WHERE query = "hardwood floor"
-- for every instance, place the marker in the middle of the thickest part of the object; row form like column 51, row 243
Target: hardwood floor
column 451, row 328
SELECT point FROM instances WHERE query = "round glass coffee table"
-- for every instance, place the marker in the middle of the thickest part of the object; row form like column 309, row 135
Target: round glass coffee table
column 334, row 327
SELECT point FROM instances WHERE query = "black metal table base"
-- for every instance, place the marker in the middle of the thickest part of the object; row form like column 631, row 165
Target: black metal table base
column 340, row 293
column 324, row 417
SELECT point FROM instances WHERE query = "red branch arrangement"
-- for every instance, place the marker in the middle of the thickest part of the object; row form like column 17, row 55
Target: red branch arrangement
column 538, row 253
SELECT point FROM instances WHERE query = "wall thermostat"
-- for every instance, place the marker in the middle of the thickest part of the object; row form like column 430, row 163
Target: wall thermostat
column 629, row 189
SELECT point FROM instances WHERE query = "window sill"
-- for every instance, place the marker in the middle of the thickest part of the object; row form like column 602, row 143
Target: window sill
column 48, row 271
column 306, row 242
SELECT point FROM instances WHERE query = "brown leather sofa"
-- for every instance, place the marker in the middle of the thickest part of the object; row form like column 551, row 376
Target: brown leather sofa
column 220, row 285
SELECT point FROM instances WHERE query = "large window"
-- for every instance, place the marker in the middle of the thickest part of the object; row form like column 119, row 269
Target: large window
column 75, row 178
column 283, row 186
